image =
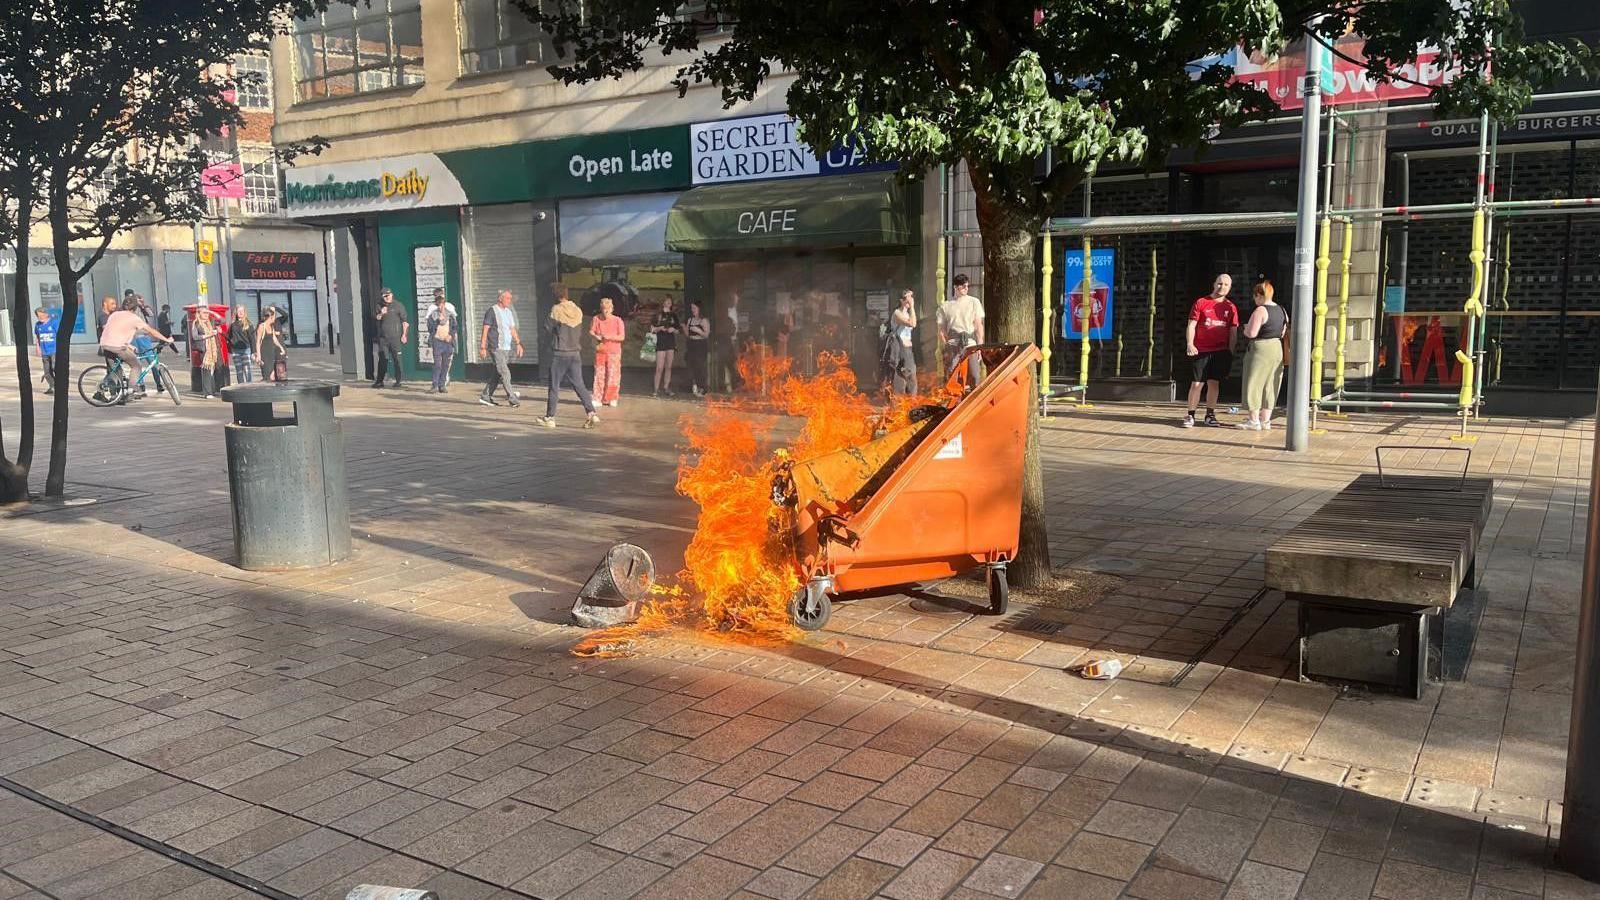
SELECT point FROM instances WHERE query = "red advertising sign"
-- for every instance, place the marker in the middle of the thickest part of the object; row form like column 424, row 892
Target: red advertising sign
column 1279, row 76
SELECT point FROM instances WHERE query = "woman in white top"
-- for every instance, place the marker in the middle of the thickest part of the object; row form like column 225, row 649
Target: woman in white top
column 901, row 356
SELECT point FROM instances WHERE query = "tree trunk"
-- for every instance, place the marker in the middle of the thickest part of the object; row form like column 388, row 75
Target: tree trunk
column 14, row 474
column 1010, row 308
column 55, row 483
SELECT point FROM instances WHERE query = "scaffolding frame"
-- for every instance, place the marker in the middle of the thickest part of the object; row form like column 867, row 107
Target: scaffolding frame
column 1483, row 209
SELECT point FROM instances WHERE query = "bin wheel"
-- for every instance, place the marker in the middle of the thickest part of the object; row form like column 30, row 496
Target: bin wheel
column 810, row 609
column 999, row 591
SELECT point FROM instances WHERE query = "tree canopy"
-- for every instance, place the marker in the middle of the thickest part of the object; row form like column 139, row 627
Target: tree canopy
column 107, row 103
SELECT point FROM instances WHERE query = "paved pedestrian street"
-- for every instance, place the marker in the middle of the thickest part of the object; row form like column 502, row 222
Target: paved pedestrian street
column 413, row 717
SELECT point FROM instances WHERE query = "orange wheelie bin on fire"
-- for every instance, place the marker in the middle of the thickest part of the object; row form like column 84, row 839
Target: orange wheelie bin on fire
column 929, row 501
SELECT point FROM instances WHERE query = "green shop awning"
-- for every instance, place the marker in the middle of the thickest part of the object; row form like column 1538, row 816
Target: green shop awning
column 831, row 211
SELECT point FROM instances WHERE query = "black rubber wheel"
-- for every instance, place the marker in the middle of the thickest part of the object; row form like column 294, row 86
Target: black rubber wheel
column 164, row 378
column 810, row 619
column 999, row 592
column 97, row 388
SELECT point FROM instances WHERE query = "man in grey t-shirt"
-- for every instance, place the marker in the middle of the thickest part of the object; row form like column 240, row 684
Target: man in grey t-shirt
column 500, row 339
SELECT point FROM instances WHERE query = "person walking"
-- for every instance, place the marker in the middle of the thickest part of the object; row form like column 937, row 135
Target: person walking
column 608, row 332
column 108, row 305
column 665, row 327
column 444, row 334
column 164, row 320
column 566, row 362
column 269, row 347
column 1266, row 334
column 44, row 337
column 208, row 343
column 393, row 332
column 697, row 346
column 727, row 338
column 1209, row 338
column 241, row 346
column 901, row 353
column 499, row 339
column 960, row 322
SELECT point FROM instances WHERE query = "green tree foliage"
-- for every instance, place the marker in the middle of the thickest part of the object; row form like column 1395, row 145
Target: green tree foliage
column 995, row 83
column 105, row 102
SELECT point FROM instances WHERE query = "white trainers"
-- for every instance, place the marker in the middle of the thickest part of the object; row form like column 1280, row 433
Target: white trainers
column 1249, row 425
column 592, row 421
column 545, row 421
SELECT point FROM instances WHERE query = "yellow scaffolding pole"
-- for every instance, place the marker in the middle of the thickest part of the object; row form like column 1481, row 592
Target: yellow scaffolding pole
column 1472, row 310
column 1344, row 305
column 1045, row 273
column 1319, row 321
column 1505, row 299
column 1150, row 324
column 1085, row 309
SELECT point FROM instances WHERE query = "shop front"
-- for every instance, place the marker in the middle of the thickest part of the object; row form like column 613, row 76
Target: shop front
column 810, row 265
column 1542, row 330
column 117, row 271
column 817, row 259
column 286, row 281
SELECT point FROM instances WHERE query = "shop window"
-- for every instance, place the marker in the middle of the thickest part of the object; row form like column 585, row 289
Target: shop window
column 354, row 49
column 496, row 35
column 706, row 23
column 611, row 247
column 498, row 244
column 253, row 81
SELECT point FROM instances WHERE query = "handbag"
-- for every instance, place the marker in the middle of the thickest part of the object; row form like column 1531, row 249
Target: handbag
column 647, row 350
column 280, row 368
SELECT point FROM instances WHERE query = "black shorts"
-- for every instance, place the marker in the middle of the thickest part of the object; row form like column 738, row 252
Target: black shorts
column 1213, row 366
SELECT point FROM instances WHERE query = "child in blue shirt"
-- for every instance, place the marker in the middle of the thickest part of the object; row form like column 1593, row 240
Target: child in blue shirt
column 44, row 335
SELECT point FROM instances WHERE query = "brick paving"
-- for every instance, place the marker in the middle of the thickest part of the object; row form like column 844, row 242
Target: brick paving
column 412, row 717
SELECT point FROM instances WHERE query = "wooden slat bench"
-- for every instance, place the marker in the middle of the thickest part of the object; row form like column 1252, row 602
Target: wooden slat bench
column 1372, row 565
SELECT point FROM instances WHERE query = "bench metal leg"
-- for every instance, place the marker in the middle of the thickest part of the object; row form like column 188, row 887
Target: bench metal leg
column 1470, row 580
column 1383, row 646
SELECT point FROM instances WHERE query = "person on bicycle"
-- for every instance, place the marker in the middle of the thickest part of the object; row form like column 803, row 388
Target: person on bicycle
column 116, row 339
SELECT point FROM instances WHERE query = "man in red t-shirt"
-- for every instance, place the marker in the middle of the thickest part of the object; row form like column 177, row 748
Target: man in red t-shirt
column 1209, row 340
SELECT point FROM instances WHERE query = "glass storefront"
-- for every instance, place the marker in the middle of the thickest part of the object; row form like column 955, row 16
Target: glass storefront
column 116, row 272
column 612, row 247
column 799, row 304
column 1543, row 290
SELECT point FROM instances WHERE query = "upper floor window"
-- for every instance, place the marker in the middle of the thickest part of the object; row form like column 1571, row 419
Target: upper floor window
column 253, row 78
column 706, row 23
column 260, row 181
column 353, row 49
column 496, row 35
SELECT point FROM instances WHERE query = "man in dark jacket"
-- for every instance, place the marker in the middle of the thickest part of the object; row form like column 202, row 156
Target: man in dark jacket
column 566, row 363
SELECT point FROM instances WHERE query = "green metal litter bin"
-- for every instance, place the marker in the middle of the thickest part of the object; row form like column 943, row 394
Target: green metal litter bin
column 286, row 476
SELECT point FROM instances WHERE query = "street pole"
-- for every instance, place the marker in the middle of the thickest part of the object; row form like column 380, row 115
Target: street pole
column 203, row 290
column 1305, row 238
column 1579, row 852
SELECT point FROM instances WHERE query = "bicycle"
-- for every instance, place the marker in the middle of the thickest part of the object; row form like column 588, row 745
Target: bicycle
column 107, row 385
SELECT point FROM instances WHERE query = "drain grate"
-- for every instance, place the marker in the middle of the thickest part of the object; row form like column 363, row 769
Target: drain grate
column 1037, row 626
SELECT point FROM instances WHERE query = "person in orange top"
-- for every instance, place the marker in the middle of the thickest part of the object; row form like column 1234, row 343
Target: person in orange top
column 608, row 332
column 1209, row 339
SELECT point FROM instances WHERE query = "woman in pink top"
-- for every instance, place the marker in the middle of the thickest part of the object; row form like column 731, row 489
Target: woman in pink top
column 608, row 333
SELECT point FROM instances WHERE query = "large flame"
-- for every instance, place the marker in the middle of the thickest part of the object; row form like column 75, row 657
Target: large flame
column 739, row 569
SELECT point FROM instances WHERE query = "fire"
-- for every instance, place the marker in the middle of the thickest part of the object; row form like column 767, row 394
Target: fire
column 739, row 570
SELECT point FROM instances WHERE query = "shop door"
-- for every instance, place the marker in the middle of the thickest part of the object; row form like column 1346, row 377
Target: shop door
column 1246, row 259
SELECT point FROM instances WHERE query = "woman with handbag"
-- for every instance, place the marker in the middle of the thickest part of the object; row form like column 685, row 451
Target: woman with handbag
column 1267, row 334
column 665, row 328
column 269, row 347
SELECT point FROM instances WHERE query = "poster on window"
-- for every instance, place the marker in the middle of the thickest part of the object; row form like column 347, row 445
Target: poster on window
column 1102, row 272
column 427, row 266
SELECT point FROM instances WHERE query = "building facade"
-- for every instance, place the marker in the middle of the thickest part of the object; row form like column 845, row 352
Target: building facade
column 457, row 161
column 263, row 257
